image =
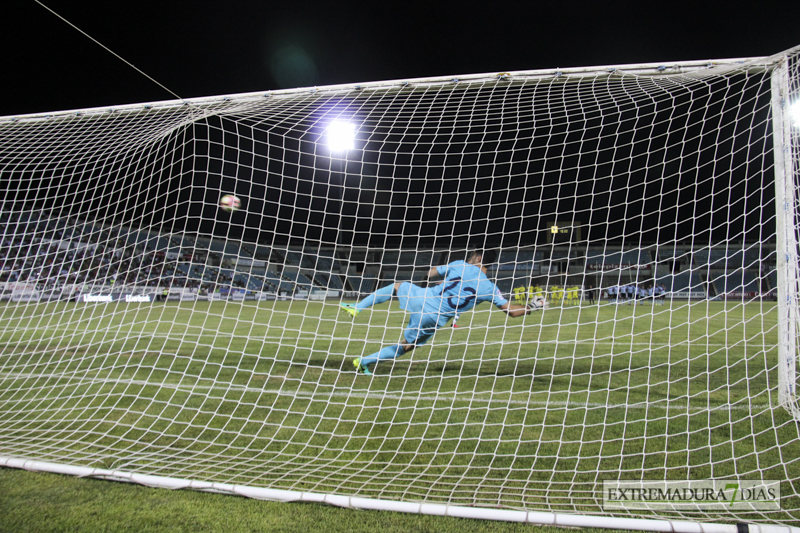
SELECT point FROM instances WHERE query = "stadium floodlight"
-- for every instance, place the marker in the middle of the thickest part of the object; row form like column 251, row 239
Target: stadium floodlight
column 341, row 136
column 794, row 113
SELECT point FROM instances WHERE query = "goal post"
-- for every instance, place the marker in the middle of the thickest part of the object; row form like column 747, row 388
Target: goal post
column 787, row 227
column 148, row 334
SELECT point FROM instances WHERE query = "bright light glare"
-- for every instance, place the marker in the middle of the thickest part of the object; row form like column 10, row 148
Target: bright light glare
column 341, row 136
column 794, row 112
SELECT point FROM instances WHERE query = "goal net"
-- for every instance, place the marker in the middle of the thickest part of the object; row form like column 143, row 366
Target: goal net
column 144, row 330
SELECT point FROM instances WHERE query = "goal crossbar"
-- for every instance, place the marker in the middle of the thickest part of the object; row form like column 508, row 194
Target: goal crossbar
column 644, row 69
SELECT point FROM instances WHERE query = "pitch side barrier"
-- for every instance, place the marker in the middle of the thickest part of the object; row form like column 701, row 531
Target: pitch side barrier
column 748, row 295
column 30, row 293
column 93, row 294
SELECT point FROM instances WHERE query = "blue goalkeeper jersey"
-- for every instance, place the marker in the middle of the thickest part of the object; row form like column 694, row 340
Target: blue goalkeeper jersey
column 463, row 288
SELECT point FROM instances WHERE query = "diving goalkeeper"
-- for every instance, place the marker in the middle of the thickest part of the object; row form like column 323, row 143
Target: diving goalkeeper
column 465, row 285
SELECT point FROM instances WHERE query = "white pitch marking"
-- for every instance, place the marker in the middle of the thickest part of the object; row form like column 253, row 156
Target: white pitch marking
column 420, row 397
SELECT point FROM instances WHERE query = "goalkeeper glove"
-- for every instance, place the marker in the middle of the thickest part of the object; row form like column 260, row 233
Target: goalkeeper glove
column 536, row 304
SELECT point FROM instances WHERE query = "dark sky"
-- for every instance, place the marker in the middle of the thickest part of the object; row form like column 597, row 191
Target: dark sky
column 206, row 48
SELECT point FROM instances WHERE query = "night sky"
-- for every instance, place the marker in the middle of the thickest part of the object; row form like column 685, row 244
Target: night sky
column 213, row 48
column 207, row 48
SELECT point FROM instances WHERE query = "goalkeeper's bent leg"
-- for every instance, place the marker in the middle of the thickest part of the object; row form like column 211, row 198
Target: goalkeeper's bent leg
column 389, row 352
column 384, row 294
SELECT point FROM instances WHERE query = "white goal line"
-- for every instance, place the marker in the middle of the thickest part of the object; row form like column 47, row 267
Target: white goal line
column 467, row 397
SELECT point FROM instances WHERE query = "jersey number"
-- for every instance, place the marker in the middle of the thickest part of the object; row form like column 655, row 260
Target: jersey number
column 455, row 305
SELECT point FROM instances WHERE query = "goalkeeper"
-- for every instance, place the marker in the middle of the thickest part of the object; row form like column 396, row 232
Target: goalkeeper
column 465, row 285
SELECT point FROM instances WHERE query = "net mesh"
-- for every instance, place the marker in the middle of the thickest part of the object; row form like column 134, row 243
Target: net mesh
column 145, row 329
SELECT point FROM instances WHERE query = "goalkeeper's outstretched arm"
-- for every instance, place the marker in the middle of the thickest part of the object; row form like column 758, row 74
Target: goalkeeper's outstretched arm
column 516, row 310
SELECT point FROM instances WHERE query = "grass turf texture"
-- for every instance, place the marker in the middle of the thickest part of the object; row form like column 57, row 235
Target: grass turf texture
column 39, row 502
column 530, row 413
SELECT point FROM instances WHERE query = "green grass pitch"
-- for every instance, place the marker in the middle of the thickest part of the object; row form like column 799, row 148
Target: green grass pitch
column 526, row 413
column 43, row 503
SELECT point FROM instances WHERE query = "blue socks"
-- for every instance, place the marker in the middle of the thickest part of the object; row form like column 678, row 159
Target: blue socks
column 390, row 352
column 378, row 297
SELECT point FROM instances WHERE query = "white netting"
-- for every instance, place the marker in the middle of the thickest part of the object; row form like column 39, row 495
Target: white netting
column 144, row 329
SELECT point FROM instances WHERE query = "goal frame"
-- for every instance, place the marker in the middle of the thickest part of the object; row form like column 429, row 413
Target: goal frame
column 786, row 240
column 643, row 69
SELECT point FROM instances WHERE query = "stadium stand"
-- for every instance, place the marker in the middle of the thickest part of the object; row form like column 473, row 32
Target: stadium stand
column 729, row 258
column 43, row 249
column 736, row 281
column 665, row 253
column 681, row 282
column 616, row 258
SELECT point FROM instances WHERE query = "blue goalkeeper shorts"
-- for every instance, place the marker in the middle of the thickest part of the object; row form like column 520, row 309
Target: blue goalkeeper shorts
column 421, row 324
